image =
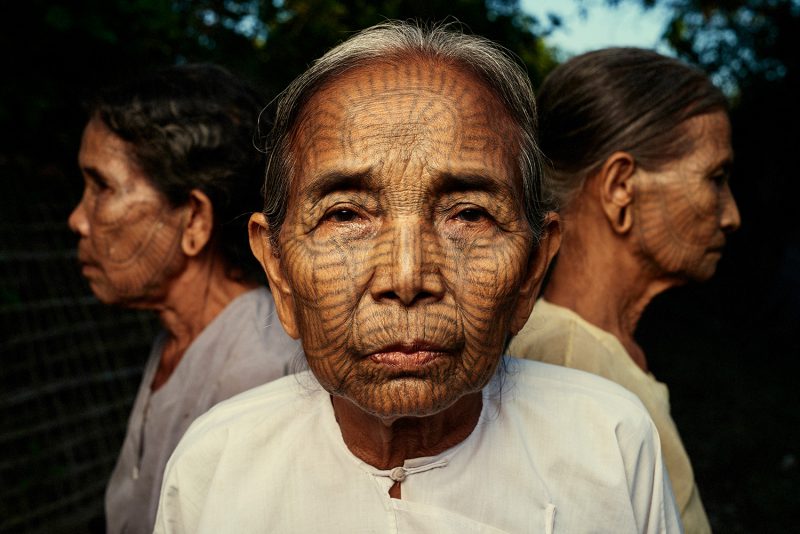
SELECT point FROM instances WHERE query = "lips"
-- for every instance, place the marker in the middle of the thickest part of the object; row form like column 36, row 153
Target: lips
column 409, row 355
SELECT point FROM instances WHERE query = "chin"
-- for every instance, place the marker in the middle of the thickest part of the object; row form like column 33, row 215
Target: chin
column 103, row 294
column 704, row 271
column 109, row 296
column 404, row 397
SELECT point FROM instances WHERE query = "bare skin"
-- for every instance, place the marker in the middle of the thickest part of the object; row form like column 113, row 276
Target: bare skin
column 631, row 234
column 138, row 251
column 405, row 259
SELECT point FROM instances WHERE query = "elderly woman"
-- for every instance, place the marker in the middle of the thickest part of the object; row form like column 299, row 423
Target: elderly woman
column 640, row 151
column 404, row 238
column 170, row 177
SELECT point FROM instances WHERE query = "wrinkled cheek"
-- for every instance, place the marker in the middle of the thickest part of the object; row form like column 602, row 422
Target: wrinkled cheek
column 325, row 279
column 138, row 256
column 489, row 278
column 125, row 234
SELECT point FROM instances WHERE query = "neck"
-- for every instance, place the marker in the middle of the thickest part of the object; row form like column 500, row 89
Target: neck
column 193, row 300
column 387, row 443
column 598, row 277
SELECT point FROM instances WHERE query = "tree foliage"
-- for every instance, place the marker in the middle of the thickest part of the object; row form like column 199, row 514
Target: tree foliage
column 60, row 52
column 742, row 42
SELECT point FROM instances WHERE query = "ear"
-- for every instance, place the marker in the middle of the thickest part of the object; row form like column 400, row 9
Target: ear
column 540, row 261
column 268, row 257
column 615, row 179
column 200, row 223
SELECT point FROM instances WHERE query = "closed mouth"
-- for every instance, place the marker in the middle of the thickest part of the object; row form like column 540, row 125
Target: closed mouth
column 408, row 355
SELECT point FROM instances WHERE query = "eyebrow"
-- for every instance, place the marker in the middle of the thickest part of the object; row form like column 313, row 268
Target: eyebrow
column 95, row 175
column 451, row 182
column 725, row 165
column 446, row 183
column 333, row 181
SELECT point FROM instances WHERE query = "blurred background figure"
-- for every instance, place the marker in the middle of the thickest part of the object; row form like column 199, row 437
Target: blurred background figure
column 171, row 176
column 640, row 147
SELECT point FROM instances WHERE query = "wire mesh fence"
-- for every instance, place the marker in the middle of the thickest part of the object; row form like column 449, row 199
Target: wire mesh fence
column 70, row 369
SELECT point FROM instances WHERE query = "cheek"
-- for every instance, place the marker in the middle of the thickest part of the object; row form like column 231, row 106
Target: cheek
column 485, row 276
column 122, row 231
column 137, row 243
column 678, row 222
column 326, row 276
column 695, row 212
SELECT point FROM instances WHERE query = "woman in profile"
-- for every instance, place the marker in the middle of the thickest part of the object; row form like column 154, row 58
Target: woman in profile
column 640, row 153
column 171, row 176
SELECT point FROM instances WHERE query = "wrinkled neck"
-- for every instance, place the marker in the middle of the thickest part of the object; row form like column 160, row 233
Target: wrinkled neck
column 599, row 276
column 193, row 300
column 387, row 443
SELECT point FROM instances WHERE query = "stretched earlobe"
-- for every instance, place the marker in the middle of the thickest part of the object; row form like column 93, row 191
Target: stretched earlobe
column 262, row 247
column 199, row 225
column 529, row 291
column 616, row 180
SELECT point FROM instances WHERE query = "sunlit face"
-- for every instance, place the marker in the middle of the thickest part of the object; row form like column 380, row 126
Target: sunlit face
column 404, row 244
column 129, row 235
column 684, row 211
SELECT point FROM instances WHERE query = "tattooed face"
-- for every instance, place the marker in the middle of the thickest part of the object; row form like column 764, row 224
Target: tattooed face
column 685, row 209
column 405, row 243
column 129, row 244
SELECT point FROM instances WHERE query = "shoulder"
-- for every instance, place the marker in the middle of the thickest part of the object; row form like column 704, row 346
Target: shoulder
column 557, row 335
column 553, row 389
column 252, row 343
column 263, row 408
column 579, row 416
column 251, row 319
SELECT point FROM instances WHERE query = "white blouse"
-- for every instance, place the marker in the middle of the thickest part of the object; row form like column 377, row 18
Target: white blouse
column 555, row 450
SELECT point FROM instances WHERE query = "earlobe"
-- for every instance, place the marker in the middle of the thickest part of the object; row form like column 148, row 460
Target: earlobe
column 542, row 257
column 199, row 224
column 616, row 180
column 262, row 247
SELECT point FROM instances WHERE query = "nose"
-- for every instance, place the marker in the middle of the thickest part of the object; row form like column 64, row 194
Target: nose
column 408, row 271
column 729, row 220
column 77, row 220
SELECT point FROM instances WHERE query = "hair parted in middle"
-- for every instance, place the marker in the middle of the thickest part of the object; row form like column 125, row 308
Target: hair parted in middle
column 396, row 41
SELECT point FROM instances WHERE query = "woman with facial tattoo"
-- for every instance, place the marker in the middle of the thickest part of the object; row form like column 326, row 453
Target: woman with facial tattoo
column 640, row 146
column 171, row 177
column 405, row 236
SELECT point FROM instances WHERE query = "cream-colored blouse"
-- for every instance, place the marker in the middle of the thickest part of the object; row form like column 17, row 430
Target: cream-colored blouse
column 558, row 335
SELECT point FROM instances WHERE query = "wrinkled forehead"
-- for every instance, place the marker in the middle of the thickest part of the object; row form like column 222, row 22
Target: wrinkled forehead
column 419, row 109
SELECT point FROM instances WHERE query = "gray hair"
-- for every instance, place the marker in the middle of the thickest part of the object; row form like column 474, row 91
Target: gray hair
column 619, row 99
column 395, row 41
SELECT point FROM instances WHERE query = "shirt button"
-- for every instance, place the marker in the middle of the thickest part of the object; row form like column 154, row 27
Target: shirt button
column 398, row 474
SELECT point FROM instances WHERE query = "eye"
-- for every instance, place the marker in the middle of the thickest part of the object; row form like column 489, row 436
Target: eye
column 720, row 178
column 342, row 215
column 472, row 215
column 96, row 184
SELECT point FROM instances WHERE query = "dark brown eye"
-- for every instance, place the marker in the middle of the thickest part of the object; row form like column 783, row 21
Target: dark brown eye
column 342, row 215
column 472, row 215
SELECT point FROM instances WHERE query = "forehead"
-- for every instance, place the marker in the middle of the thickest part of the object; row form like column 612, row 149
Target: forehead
column 99, row 142
column 105, row 152
column 420, row 113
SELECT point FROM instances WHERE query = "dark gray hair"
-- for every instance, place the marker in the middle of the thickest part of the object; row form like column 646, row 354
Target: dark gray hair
column 399, row 41
column 191, row 127
column 619, row 99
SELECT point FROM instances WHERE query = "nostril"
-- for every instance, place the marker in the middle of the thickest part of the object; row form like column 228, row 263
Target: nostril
column 407, row 298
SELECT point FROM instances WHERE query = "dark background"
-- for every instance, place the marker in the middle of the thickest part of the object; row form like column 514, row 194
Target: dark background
column 70, row 367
